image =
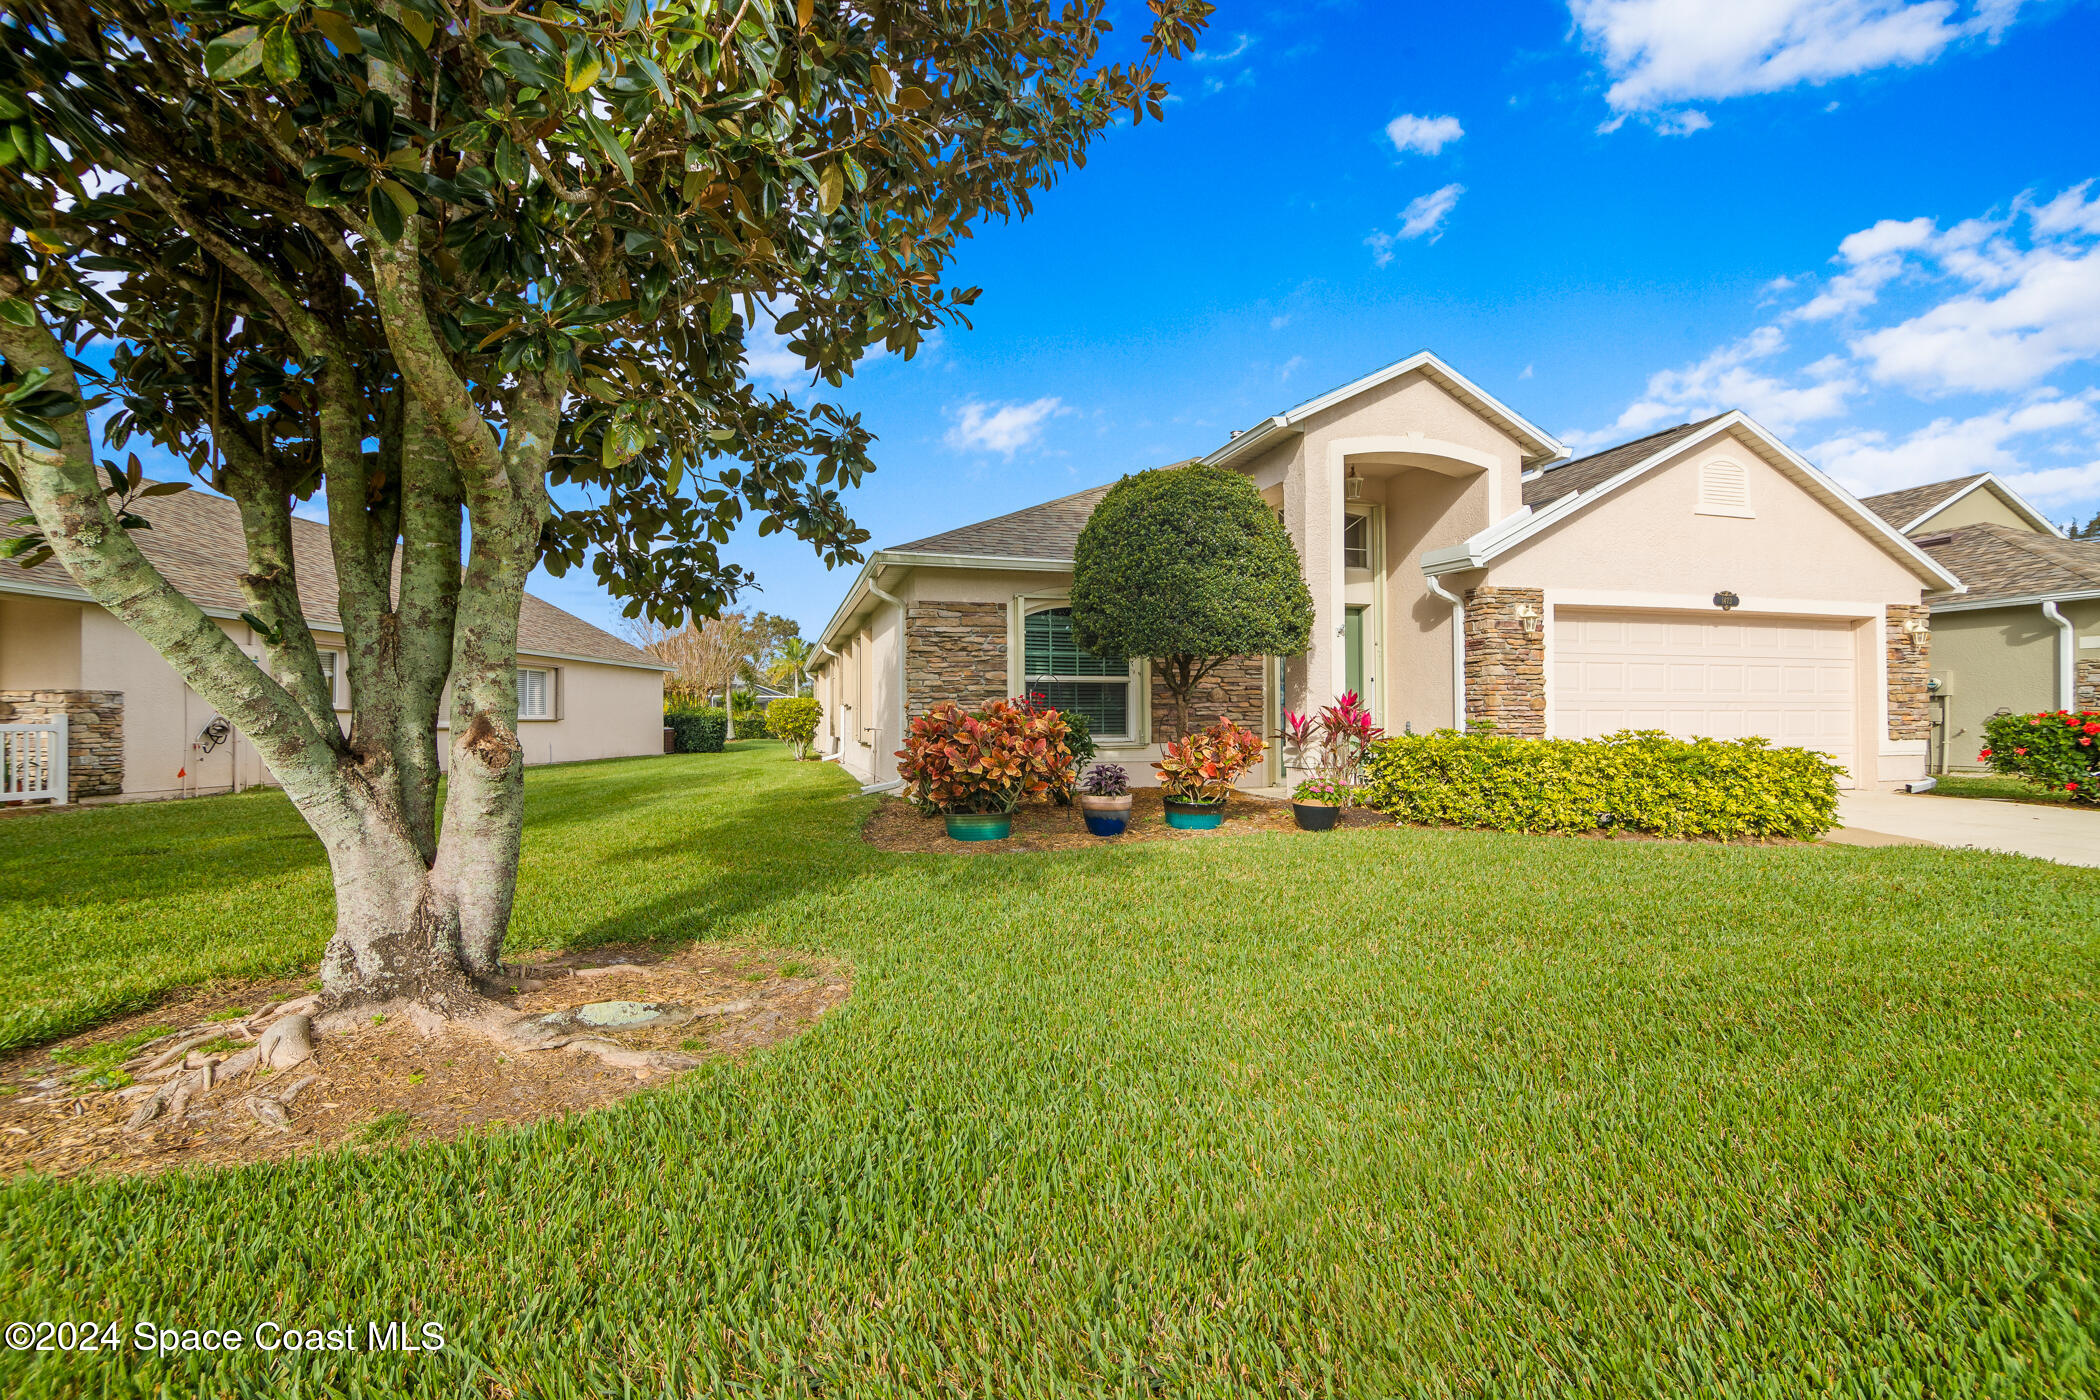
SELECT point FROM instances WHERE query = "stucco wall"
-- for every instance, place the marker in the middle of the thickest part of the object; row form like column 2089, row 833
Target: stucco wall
column 39, row 643
column 1979, row 507
column 1988, row 659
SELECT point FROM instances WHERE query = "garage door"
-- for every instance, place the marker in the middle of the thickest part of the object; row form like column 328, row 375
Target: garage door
column 1790, row 681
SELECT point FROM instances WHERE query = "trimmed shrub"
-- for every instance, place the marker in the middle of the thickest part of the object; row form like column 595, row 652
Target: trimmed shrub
column 697, row 730
column 793, row 720
column 2056, row 749
column 1638, row 780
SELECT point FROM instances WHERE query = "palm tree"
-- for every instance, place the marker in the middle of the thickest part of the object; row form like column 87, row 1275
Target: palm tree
column 792, row 662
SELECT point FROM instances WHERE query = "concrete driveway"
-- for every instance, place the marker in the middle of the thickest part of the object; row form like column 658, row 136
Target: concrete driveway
column 2066, row 835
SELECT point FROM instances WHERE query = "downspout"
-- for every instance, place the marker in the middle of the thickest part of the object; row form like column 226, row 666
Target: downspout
column 898, row 603
column 1458, row 650
column 2066, row 656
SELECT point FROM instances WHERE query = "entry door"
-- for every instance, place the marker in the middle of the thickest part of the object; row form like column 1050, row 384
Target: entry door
column 1790, row 680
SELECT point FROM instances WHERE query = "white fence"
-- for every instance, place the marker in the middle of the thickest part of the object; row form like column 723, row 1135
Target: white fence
column 33, row 761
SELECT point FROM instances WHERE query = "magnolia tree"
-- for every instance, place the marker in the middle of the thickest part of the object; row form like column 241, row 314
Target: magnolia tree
column 416, row 262
column 1190, row 567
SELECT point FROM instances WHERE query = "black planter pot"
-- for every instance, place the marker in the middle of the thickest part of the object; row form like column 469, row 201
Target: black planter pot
column 1315, row 816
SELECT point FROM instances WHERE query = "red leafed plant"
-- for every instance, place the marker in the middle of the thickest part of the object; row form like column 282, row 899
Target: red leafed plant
column 1335, row 743
column 1203, row 767
column 958, row 761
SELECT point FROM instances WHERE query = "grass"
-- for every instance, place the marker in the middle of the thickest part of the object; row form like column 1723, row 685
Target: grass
column 1998, row 786
column 1377, row 1113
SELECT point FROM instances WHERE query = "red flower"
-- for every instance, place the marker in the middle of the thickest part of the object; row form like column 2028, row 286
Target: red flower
column 2034, row 724
column 2020, row 751
column 2087, row 741
column 2093, row 728
column 2071, row 723
column 1985, row 754
column 2070, row 787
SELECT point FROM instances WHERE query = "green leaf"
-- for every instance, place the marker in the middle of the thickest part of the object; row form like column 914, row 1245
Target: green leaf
column 233, row 53
column 386, row 214
column 164, row 488
column 718, row 319
column 831, row 188
column 578, row 75
column 17, row 312
column 262, row 629
column 280, row 58
column 339, row 31
column 607, row 142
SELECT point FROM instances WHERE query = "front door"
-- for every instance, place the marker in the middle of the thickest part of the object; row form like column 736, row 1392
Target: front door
column 1353, row 651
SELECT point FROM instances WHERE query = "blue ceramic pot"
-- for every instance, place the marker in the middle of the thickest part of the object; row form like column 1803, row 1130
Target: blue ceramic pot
column 1195, row 816
column 979, row 826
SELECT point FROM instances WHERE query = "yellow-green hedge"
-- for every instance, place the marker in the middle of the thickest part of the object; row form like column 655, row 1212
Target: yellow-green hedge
column 1636, row 780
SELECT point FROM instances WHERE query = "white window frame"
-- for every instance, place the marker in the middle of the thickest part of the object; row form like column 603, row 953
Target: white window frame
column 1137, row 701
column 547, row 694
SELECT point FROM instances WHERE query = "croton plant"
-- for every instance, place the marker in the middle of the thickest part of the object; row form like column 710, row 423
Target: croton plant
column 987, row 760
column 1332, row 745
column 1204, row 766
column 2058, row 750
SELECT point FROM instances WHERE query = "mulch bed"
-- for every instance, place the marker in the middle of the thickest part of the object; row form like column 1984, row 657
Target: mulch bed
column 895, row 825
column 388, row 1083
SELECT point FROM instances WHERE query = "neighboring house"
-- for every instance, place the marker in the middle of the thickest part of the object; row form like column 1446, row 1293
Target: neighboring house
column 1702, row 580
column 2026, row 634
column 137, row 731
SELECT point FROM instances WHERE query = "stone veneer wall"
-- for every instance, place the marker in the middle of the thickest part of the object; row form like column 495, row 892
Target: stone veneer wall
column 1233, row 691
column 1909, row 667
column 94, row 734
column 1506, row 660
column 2087, row 687
column 954, row 651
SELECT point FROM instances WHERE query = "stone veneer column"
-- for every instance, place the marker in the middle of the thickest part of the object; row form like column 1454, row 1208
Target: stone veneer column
column 1909, row 668
column 94, row 734
column 1506, row 660
column 954, row 651
column 2086, row 685
column 1233, row 691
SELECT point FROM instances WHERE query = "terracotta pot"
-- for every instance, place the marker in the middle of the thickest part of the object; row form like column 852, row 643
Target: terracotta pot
column 1106, row 816
column 1316, row 816
column 1195, row 816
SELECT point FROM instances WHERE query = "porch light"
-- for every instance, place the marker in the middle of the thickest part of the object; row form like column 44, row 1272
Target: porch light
column 1353, row 485
column 1724, row 600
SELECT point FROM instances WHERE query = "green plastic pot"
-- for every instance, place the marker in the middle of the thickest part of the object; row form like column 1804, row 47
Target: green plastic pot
column 1195, row 816
column 979, row 826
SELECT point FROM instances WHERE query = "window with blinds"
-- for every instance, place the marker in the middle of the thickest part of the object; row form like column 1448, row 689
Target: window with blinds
column 1068, row 677
column 328, row 672
column 535, row 694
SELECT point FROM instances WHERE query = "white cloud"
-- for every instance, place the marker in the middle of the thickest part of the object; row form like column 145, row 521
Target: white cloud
column 1683, row 122
column 1422, row 217
column 1662, row 52
column 1429, row 135
column 1730, row 379
column 1866, row 461
column 1290, row 367
column 1872, row 258
column 1004, row 428
column 1277, row 323
column 2047, row 318
column 1241, row 43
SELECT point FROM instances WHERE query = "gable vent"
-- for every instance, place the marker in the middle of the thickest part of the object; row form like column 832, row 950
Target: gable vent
column 1724, row 489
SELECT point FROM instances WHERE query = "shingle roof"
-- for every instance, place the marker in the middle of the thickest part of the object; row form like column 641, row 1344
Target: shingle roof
column 1048, row 531
column 1900, row 508
column 197, row 545
column 1584, row 472
column 1998, row 561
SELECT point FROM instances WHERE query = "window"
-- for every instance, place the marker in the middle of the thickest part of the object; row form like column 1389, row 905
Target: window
column 328, row 665
column 1070, row 678
column 1356, row 542
column 535, row 694
column 1724, row 489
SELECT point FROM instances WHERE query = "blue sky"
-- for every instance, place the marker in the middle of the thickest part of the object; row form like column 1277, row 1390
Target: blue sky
column 1872, row 224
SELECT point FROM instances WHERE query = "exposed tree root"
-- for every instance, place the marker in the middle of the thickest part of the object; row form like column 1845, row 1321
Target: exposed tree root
column 507, row 1029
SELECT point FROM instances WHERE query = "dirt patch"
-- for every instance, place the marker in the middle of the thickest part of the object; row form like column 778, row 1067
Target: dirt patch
column 64, row 1107
column 895, row 825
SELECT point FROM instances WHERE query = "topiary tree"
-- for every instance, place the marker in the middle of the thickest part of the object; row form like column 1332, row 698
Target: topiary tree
column 424, row 263
column 1188, row 566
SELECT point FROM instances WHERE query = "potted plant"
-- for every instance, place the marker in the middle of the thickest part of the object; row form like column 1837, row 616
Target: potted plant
column 1196, row 773
column 1104, row 796
column 1333, row 745
column 973, row 767
column 1317, row 804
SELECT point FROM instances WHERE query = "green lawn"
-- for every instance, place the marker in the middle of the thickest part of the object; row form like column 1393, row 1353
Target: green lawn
column 1999, row 786
column 1374, row 1113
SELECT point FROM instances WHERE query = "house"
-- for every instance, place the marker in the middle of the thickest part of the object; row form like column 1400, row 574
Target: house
column 1702, row 580
column 2025, row 635
column 135, row 730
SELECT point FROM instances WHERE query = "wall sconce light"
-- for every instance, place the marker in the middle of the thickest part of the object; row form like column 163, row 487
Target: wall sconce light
column 1528, row 619
column 1919, row 630
column 1724, row 600
column 1353, row 485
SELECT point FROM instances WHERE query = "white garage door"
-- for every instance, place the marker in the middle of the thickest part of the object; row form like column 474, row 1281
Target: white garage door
column 1790, row 681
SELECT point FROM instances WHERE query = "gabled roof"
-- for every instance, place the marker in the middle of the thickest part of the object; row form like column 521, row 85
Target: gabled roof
column 2002, row 565
column 1048, row 531
column 196, row 543
column 1585, row 472
column 1607, row 472
column 1911, row 507
column 1538, row 445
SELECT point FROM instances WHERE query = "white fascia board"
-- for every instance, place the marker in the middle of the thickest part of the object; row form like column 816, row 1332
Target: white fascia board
column 864, row 581
column 1544, row 447
column 2020, row 600
column 2004, row 493
column 1920, row 562
column 850, row 604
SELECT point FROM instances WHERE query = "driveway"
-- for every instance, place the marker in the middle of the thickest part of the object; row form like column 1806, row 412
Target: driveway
column 2068, row 836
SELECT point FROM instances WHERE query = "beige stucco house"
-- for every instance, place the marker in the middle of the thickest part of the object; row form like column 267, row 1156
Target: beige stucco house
column 1701, row 580
column 137, row 731
column 2025, row 635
